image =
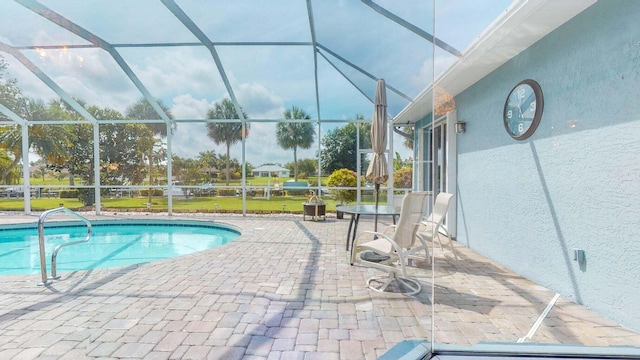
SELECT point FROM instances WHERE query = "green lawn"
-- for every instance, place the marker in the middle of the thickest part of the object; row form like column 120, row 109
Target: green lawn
column 208, row 203
column 275, row 204
column 17, row 204
column 252, row 181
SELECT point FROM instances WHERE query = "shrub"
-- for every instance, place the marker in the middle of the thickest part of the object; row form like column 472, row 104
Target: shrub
column 296, row 192
column 402, row 178
column 68, row 194
column 156, row 192
column 343, row 178
column 226, row 192
column 87, row 196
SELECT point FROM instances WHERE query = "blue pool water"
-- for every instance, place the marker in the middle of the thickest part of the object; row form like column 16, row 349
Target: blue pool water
column 112, row 244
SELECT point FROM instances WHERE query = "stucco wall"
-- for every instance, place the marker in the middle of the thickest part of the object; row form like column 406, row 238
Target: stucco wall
column 576, row 182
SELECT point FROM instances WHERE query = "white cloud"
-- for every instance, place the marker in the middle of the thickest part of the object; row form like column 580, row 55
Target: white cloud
column 186, row 107
column 258, row 102
column 191, row 139
column 168, row 73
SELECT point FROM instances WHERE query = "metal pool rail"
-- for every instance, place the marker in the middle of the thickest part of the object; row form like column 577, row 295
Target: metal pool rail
column 43, row 264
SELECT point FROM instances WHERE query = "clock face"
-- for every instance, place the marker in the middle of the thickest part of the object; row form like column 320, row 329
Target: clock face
column 523, row 109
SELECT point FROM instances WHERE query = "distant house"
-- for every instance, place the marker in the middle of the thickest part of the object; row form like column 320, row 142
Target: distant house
column 211, row 171
column 268, row 170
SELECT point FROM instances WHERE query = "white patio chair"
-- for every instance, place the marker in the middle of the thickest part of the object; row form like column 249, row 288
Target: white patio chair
column 395, row 242
column 433, row 226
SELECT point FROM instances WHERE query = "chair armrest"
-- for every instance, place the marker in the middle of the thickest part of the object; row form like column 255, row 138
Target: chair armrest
column 380, row 235
column 430, row 224
column 390, row 227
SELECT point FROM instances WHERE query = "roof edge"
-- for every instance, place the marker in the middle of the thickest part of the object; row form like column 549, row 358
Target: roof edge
column 521, row 25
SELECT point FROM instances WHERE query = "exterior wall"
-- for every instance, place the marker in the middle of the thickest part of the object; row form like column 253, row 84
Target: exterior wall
column 576, row 182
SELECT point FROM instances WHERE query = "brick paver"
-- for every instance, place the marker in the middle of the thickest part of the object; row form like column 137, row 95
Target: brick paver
column 283, row 290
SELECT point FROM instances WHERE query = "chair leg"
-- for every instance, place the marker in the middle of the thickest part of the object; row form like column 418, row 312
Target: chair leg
column 439, row 242
column 453, row 250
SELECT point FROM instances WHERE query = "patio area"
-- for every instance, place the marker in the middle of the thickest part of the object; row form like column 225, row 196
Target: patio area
column 283, row 290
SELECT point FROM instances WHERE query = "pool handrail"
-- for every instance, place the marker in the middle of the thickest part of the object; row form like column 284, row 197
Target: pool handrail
column 43, row 264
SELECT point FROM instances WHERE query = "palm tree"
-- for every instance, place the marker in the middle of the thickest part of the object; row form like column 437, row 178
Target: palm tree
column 208, row 161
column 294, row 135
column 48, row 141
column 142, row 110
column 408, row 142
column 228, row 133
column 13, row 176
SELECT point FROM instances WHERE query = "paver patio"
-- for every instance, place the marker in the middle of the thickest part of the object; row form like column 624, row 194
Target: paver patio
column 283, row 290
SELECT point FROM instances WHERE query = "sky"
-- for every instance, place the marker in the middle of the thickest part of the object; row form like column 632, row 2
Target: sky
column 264, row 52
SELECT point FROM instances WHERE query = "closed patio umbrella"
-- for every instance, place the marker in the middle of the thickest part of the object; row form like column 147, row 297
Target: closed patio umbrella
column 377, row 171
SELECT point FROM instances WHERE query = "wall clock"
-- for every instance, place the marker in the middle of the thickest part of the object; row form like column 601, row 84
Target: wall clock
column 523, row 109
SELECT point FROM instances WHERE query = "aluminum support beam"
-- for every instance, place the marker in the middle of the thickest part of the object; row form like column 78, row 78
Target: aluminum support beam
column 76, row 29
column 48, row 81
column 26, row 186
column 312, row 29
column 406, row 97
column 198, row 33
column 409, row 26
column 11, row 115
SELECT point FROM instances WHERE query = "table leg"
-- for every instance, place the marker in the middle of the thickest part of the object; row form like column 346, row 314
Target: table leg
column 353, row 217
column 355, row 230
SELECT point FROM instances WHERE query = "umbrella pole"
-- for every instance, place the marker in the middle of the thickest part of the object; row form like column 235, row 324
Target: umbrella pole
column 375, row 226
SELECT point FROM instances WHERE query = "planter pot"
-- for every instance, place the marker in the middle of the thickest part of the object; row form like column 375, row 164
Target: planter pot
column 339, row 214
column 315, row 210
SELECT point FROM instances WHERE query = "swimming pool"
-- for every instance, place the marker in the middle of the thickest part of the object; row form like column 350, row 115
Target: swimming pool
column 112, row 244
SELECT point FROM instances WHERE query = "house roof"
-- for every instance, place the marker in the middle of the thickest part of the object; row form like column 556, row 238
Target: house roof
column 519, row 27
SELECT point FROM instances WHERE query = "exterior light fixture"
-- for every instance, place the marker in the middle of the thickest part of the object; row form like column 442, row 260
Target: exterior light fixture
column 461, row 127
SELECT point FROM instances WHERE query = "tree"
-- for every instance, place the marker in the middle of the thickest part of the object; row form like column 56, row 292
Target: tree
column 305, row 166
column 142, row 110
column 13, row 176
column 208, row 159
column 48, row 141
column 58, row 109
column 402, row 178
column 343, row 178
column 339, row 148
column 410, row 131
column 187, row 170
column 79, row 161
column 210, row 163
column 10, row 93
column 40, row 169
column 294, row 135
column 228, row 133
column 123, row 148
column 398, row 163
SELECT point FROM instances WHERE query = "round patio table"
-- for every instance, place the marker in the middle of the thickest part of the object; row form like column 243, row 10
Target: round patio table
column 357, row 210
